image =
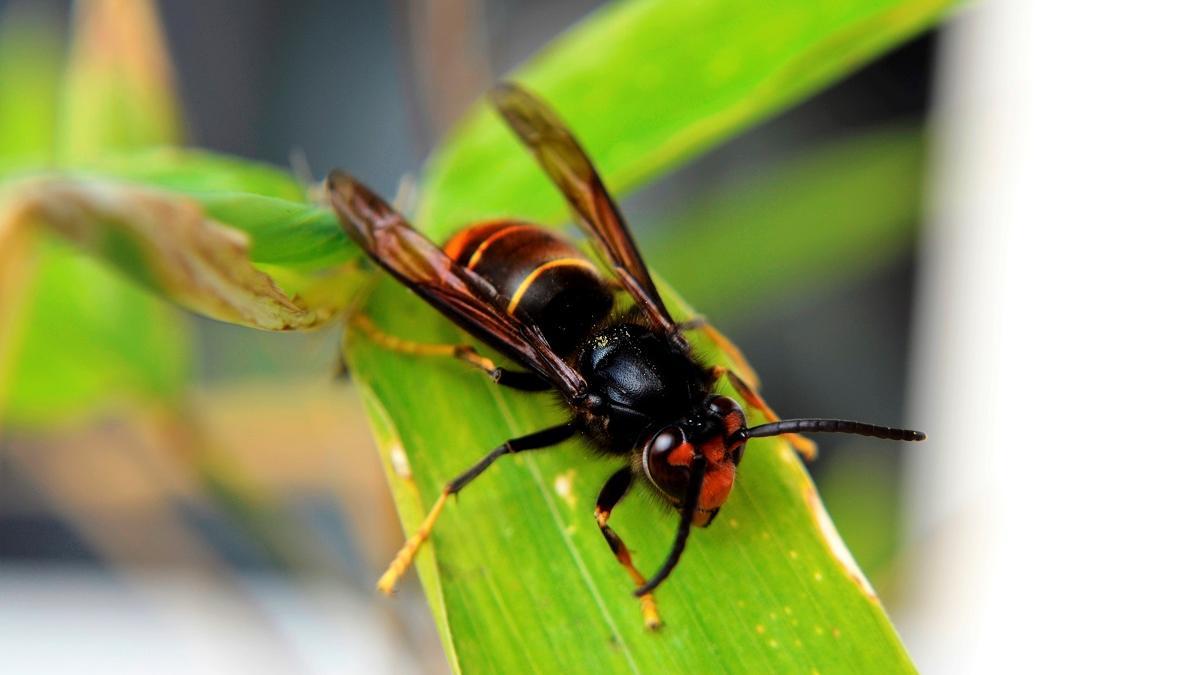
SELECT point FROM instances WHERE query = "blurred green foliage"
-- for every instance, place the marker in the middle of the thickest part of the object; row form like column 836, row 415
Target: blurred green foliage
column 89, row 337
column 810, row 222
column 648, row 85
column 84, row 336
column 30, row 63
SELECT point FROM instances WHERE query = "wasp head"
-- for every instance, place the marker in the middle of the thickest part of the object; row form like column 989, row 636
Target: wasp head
column 714, row 431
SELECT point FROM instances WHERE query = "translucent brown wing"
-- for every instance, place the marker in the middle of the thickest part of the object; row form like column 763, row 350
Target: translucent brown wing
column 460, row 294
column 569, row 167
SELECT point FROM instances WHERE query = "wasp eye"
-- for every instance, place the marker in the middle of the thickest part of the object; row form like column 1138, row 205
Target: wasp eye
column 723, row 405
column 666, row 440
column 665, row 460
column 730, row 413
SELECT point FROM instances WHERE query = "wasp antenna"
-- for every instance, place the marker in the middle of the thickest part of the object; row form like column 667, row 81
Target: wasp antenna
column 832, row 426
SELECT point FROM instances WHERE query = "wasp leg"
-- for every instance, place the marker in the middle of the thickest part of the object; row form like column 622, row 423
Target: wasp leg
column 541, row 439
column 610, row 495
column 725, row 345
column 466, row 353
column 687, row 516
column 806, row 447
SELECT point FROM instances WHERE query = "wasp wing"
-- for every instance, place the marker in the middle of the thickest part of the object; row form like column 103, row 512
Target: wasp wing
column 569, row 167
column 457, row 292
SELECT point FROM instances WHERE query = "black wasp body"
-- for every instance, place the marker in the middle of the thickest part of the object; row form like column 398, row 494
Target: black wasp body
column 634, row 376
column 544, row 276
column 629, row 378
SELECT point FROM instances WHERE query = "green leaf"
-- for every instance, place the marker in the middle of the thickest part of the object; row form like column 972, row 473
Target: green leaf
column 646, row 85
column 194, row 171
column 518, row 577
column 267, row 204
column 165, row 241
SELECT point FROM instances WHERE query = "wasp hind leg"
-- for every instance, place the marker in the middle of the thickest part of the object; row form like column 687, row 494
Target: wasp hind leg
column 514, row 379
column 535, row 441
column 610, row 495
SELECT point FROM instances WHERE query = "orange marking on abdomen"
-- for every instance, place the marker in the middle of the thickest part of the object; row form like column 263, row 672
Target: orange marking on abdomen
column 469, row 236
column 532, row 276
column 495, row 237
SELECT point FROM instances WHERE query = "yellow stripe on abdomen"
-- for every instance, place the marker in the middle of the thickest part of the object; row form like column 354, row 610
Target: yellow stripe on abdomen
column 493, row 238
column 582, row 263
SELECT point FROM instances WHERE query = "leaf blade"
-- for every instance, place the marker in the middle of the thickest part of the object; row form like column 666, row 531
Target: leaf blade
column 167, row 242
column 518, row 538
column 783, row 51
column 801, row 603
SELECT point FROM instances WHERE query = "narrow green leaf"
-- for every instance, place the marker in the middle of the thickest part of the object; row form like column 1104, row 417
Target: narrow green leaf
column 647, row 85
column 165, row 241
column 521, row 580
column 518, row 576
column 198, row 171
column 269, row 205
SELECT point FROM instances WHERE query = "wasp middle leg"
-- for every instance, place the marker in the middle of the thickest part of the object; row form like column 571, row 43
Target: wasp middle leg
column 515, row 379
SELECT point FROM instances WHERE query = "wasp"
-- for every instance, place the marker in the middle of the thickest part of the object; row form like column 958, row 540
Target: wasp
column 633, row 387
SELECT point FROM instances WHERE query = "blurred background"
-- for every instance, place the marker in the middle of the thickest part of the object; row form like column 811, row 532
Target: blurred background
column 245, row 528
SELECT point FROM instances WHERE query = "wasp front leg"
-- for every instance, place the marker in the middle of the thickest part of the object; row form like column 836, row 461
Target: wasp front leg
column 610, row 495
column 513, row 379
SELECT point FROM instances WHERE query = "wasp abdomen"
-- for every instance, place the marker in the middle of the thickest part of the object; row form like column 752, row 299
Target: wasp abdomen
column 541, row 273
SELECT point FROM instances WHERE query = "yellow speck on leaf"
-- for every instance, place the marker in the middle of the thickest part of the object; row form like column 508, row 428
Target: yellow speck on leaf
column 563, row 485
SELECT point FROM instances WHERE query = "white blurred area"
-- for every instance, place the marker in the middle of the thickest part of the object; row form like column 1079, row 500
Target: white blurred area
column 69, row 621
column 1054, row 509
